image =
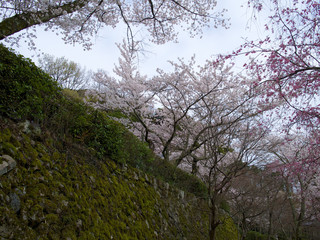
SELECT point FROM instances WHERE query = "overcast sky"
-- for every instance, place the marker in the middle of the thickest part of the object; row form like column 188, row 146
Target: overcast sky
column 105, row 54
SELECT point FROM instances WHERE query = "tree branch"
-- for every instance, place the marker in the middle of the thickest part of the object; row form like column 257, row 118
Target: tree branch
column 19, row 22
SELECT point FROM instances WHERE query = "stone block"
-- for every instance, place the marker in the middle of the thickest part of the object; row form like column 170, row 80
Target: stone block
column 11, row 162
column 3, row 168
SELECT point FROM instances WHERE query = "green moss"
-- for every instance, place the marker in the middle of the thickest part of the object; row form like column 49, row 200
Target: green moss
column 15, row 142
column 8, row 148
column 227, row 230
column 51, row 218
column 68, row 233
column 5, row 135
column 31, row 153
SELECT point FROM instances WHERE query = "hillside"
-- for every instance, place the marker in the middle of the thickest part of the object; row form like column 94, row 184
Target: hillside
column 67, row 171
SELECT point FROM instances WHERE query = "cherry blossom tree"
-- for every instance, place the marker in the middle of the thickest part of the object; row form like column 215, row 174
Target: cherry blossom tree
column 79, row 20
column 286, row 67
column 286, row 62
column 228, row 155
column 173, row 112
column 297, row 162
column 258, row 201
column 198, row 118
column 286, row 190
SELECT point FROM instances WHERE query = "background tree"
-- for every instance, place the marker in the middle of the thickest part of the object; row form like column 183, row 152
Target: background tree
column 259, row 203
column 228, row 155
column 67, row 73
column 80, row 20
column 285, row 65
column 296, row 161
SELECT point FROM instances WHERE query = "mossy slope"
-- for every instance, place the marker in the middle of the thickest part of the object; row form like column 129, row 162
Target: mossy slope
column 61, row 196
column 75, row 176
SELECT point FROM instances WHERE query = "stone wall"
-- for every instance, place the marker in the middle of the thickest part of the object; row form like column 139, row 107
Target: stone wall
column 50, row 194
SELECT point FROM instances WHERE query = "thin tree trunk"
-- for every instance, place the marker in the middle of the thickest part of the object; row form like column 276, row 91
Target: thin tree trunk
column 194, row 167
column 300, row 218
column 270, row 225
column 244, row 226
column 214, row 222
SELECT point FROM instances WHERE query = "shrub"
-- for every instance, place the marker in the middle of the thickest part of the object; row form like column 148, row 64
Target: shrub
column 178, row 178
column 252, row 235
column 26, row 92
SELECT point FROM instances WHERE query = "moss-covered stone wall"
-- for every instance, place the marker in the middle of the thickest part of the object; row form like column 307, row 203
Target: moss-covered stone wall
column 52, row 194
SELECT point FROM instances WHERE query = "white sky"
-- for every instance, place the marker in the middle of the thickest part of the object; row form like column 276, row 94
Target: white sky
column 105, row 54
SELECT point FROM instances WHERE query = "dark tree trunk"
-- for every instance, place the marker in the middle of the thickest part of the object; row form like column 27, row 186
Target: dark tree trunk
column 214, row 222
column 194, row 167
column 18, row 22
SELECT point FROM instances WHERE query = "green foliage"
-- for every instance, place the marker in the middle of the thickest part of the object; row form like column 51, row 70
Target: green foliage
column 101, row 133
column 116, row 114
column 224, row 205
column 252, row 235
column 97, row 131
column 227, row 230
column 177, row 177
column 67, row 74
column 26, row 92
column 72, row 94
column 138, row 153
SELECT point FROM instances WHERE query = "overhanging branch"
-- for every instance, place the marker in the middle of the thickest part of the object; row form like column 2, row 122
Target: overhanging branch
column 18, row 22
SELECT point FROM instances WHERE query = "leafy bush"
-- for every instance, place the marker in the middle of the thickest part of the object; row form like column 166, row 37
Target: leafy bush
column 252, row 235
column 138, row 153
column 97, row 131
column 26, row 92
column 177, row 177
column 225, row 206
column 72, row 93
column 105, row 136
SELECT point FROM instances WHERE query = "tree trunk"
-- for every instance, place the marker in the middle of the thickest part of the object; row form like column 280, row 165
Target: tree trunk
column 244, row 226
column 194, row 167
column 25, row 20
column 300, row 218
column 214, row 223
column 270, row 225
